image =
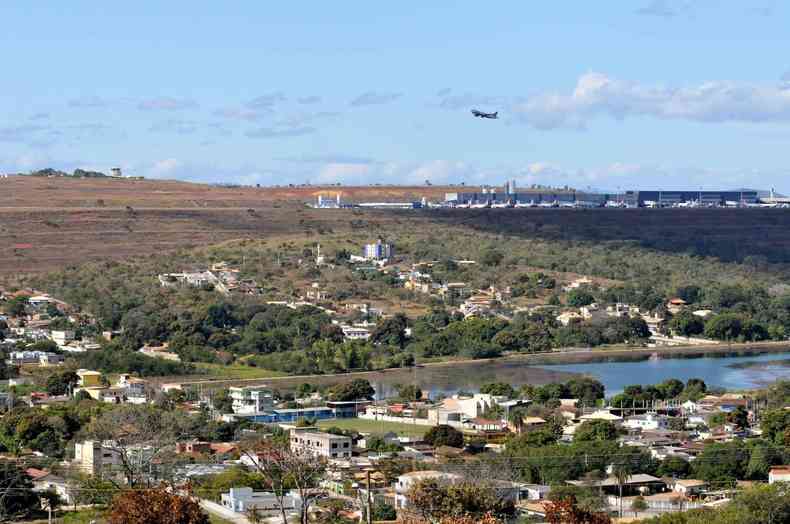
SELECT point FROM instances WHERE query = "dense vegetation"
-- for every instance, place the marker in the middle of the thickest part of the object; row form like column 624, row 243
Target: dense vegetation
column 747, row 301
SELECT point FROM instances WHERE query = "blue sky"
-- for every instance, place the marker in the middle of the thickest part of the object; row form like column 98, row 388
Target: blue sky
column 643, row 94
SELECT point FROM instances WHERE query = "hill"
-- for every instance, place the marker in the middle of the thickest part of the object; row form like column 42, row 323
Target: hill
column 48, row 223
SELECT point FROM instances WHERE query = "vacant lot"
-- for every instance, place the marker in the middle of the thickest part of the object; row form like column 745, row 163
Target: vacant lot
column 375, row 426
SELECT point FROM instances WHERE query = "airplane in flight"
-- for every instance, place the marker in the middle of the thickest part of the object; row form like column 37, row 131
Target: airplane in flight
column 481, row 114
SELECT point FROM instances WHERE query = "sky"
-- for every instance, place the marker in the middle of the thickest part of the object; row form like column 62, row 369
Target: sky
column 647, row 94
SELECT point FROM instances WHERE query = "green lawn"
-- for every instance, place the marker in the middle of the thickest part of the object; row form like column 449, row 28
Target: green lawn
column 237, row 371
column 375, row 426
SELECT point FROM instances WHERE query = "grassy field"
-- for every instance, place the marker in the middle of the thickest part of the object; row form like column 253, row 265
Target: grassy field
column 375, row 426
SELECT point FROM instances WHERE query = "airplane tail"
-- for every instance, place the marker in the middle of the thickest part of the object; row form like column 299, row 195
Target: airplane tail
column 496, row 113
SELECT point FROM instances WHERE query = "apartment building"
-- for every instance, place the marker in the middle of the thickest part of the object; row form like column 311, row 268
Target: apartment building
column 320, row 444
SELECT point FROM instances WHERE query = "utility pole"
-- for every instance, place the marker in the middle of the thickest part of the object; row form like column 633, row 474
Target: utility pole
column 369, row 510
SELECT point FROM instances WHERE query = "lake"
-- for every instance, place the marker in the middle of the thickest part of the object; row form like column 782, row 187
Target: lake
column 737, row 372
column 745, row 372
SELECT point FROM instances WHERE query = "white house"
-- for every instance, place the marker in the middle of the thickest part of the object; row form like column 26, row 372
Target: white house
column 320, row 444
column 689, row 487
column 779, row 474
column 44, row 480
column 251, row 399
column 647, row 422
column 407, row 480
column 243, row 499
column 63, row 337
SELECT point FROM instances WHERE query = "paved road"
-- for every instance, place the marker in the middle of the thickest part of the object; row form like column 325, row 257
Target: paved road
column 222, row 512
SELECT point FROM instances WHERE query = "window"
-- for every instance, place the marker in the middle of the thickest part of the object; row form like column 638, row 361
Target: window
column 334, row 445
column 334, row 455
column 345, row 444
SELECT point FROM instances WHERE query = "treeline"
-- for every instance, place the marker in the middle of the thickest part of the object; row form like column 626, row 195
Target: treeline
column 77, row 173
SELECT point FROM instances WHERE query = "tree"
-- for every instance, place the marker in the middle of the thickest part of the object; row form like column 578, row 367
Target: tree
column 579, row 298
column 687, row 324
column 17, row 498
column 498, row 389
column 566, row 511
column 724, row 326
column 639, row 504
column 774, row 424
column 409, row 392
column 61, row 383
column 435, row 499
column 674, row 466
column 391, row 331
column 140, row 436
column 383, row 511
column 721, row 462
column 595, row 430
column 492, row 258
column 443, row 435
column 621, row 472
column 283, row 468
column 739, row 416
column 357, row 389
column 16, row 307
column 155, row 506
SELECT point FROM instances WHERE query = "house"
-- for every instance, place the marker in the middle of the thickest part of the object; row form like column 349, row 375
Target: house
column 354, row 332
column 88, row 378
column 779, row 474
column 41, row 358
column 534, row 491
column 593, row 312
column 576, row 284
column 689, row 487
column 407, row 480
column 243, row 499
column 483, row 424
column 44, row 480
column 602, row 414
column 569, row 316
column 676, row 305
column 135, row 388
column 61, row 338
column 160, row 352
column 322, row 444
column 251, row 399
column 638, row 483
column 92, row 457
column 648, row 421
column 91, row 383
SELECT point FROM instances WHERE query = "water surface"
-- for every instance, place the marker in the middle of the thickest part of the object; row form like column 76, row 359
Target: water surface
column 745, row 372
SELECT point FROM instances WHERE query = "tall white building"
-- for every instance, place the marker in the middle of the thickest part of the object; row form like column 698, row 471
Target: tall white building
column 378, row 251
column 251, row 399
column 320, row 444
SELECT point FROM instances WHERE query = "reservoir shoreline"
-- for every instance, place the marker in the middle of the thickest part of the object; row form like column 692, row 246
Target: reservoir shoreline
column 530, row 365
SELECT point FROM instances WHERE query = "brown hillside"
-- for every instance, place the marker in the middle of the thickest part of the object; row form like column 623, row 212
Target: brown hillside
column 35, row 192
column 46, row 223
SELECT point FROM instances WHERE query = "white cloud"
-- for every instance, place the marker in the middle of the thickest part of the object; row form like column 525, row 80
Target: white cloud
column 164, row 168
column 250, row 115
column 660, row 8
column 373, row 98
column 596, row 94
column 352, row 174
column 267, row 101
column 166, row 103
column 307, row 100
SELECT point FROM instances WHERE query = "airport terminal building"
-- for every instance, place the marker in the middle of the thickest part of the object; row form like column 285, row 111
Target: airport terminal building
column 650, row 198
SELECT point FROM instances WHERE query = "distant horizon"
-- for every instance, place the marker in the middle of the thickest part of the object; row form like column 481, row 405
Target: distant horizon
column 640, row 94
column 329, row 185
